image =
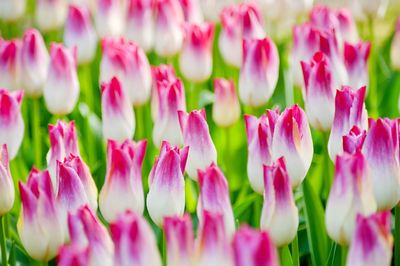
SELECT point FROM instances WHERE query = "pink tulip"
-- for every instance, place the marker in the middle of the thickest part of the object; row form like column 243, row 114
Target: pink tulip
column 7, row 194
column 12, row 10
column 225, row 99
column 356, row 62
column 109, row 18
column 50, row 15
column 347, row 26
column 354, row 140
column 10, row 64
column 192, row 11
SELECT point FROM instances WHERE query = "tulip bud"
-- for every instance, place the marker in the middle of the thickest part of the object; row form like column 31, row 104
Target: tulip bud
column 354, row 140
column 140, row 23
column 213, row 247
column 252, row 248
column 259, row 71
column 11, row 10
column 225, row 99
column 374, row 8
column 123, row 189
column 61, row 89
column 171, row 98
column 349, row 111
column 180, row 240
column 347, row 26
column 134, row 241
column 12, row 124
column 279, row 213
column 39, row 224
column 259, row 132
column 372, row 241
column 73, row 255
column 50, row 15
column 212, row 8
column 166, row 195
column 10, row 64
column 109, row 18
column 117, row 113
column 395, row 47
column 7, row 193
column 351, row 193
column 79, row 32
column 192, row 11
column 381, row 149
column 195, row 60
column 34, row 63
column 239, row 22
column 356, row 62
column 168, row 28
column 214, row 196
column 292, row 140
column 196, row 135
column 319, row 91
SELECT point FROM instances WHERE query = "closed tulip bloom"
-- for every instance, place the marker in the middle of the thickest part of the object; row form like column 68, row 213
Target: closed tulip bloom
column 372, row 241
column 134, row 241
column 351, row 193
column 195, row 60
column 166, row 195
column 10, row 64
column 213, row 8
column 319, row 91
column 7, row 193
column 123, row 189
column 109, row 18
column 61, row 89
column 79, row 32
column 347, row 26
column 214, row 196
column 34, row 63
column 292, row 140
column 140, row 23
column 180, row 240
column 354, row 140
column 11, row 122
column 117, row 114
column 356, row 62
column 168, row 28
column 279, row 213
column 39, row 224
column 395, row 47
column 73, row 255
column 374, row 8
column 259, row 71
column 349, row 111
column 192, row 11
column 171, row 98
column 50, row 15
column 381, row 149
column 252, row 248
column 239, row 22
column 225, row 99
column 196, row 135
column 11, row 10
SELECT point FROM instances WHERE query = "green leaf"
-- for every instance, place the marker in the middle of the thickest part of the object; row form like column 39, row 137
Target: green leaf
column 285, row 257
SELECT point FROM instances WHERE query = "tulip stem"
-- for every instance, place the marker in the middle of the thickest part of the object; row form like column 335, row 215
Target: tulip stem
column 295, row 251
column 345, row 250
column 37, row 144
column 3, row 242
column 373, row 96
column 140, row 123
column 397, row 236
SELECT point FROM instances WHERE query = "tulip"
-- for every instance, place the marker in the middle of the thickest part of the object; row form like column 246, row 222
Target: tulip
column 196, row 135
column 10, row 64
column 372, row 241
column 140, row 23
column 7, row 193
column 123, row 189
column 109, row 18
column 34, row 63
column 213, row 8
column 319, row 91
column 50, row 15
column 39, row 224
column 292, row 140
column 192, row 11
column 239, row 22
column 214, row 196
column 395, row 47
column 349, row 111
column 166, row 126
column 180, row 240
column 356, row 62
column 252, row 248
column 166, row 195
column 63, row 142
column 347, row 26
column 279, row 213
column 375, row 8
column 351, row 193
column 195, row 60
column 259, row 141
column 225, row 99
column 117, row 114
column 79, row 32
column 213, row 247
column 73, row 255
column 61, row 89
column 259, row 72
column 134, row 241
column 168, row 28
column 12, row 124
column 381, row 149
column 278, row 11
column 11, row 10
column 354, row 140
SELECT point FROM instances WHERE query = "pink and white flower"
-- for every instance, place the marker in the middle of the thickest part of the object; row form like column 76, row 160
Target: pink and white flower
column 395, row 47
column 10, row 64
column 354, row 140
column 50, row 15
column 192, row 11
column 7, row 193
column 11, row 10
column 356, row 61
column 110, row 18
column 225, row 99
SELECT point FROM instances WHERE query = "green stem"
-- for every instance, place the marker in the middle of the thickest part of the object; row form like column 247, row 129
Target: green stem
column 295, row 251
column 397, row 236
column 140, row 123
column 227, row 151
column 3, row 243
column 344, row 251
column 36, row 133
column 164, row 249
column 373, row 94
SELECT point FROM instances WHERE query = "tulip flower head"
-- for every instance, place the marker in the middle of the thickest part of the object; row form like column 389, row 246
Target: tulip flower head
column 10, row 64
column 375, row 8
column 356, row 62
column 192, row 11
column 395, row 47
column 109, row 18
column 354, row 140
column 7, row 194
column 11, row 10
column 225, row 99
column 50, row 15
